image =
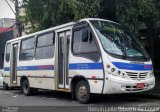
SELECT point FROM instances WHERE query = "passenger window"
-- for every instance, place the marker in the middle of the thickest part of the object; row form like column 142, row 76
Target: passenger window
column 45, row 46
column 45, row 40
column 83, row 42
column 28, row 43
column 7, row 56
column 27, row 49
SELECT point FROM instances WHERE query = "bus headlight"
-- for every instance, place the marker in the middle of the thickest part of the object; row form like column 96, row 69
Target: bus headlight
column 120, row 74
column 113, row 70
column 123, row 75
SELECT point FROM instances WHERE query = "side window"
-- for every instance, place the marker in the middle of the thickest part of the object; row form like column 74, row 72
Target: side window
column 83, row 42
column 45, row 46
column 27, row 49
column 7, row 56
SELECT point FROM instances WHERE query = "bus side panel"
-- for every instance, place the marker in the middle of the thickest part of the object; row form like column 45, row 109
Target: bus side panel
column 92, row 71
column 40, row 73
column 43, row 83
column 6, row 78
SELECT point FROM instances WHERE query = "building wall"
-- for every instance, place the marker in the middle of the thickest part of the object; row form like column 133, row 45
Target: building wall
column 7, row 22
column 4, row 37
column 1, row 22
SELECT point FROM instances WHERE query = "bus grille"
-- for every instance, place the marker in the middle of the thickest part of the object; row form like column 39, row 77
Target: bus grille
column 137, row 76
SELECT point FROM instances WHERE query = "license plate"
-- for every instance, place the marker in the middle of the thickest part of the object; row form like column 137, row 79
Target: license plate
column 140, row 85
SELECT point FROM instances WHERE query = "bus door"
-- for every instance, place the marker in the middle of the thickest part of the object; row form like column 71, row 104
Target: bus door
column 63, row 51
column 13, row 63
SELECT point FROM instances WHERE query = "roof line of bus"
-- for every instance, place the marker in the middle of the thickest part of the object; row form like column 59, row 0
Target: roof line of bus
column 87, row 19
column 58, row 27
column 43, row 31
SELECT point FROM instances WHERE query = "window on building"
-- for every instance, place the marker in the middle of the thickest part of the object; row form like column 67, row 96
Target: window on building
column 7, row 56
column 83, row 42
column 27, row 49
column 45, row 46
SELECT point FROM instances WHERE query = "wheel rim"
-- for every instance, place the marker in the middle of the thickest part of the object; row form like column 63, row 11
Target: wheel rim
column 82, row 92
column 25, row 87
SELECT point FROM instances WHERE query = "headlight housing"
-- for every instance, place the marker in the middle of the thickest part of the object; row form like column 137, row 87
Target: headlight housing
column 115, row 72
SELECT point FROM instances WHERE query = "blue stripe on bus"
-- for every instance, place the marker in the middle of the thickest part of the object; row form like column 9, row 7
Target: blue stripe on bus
column 86, row 66
column 41, row 67
column 51, row 67
column 25, row 68
column 6, row 68
column 89, row 66
column 131, row 66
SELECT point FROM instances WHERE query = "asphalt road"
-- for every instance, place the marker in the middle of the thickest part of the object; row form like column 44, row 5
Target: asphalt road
column 50, row 101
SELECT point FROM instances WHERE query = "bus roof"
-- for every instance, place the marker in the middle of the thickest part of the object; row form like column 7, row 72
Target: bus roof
column 43, row 31
column 88, row 19
column 58, row 27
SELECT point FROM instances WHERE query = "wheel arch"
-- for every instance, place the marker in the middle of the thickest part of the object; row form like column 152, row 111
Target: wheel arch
column 74, row 81
column 21, row 82
column 22, row 79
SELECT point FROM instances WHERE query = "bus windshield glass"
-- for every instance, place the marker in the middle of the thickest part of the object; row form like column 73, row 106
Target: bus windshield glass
column 118, row 41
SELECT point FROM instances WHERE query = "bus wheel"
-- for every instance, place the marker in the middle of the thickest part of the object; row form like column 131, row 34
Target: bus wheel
column 26, row 88
column 82, row 92
column 5, row 86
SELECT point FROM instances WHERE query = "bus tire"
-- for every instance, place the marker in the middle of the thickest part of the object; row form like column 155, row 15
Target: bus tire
column 27, row 90
column 5, row 86
column 82, row 92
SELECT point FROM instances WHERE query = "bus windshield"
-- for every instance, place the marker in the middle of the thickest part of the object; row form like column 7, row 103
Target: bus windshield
column 117, row 40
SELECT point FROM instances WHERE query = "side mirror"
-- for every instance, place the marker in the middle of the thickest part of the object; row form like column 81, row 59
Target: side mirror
column 84, row 35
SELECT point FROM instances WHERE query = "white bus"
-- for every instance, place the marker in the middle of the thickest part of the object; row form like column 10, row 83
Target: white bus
column 84, row 57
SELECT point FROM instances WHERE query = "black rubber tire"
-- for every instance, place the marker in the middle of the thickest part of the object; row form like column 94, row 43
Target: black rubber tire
column 5, row 86
column 27, row 90
column 85, row 97
column 21, row 88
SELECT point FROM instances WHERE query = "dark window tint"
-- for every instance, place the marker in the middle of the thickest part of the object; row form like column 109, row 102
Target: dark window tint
column 44, row 52
column 27, row 49
column 45, row 46
column 28, row 43
column 8, row 47
column 80, row 46
column 45, row 40
column 27, row 54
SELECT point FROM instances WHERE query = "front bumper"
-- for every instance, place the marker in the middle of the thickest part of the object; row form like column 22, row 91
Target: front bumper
column 115, row 85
